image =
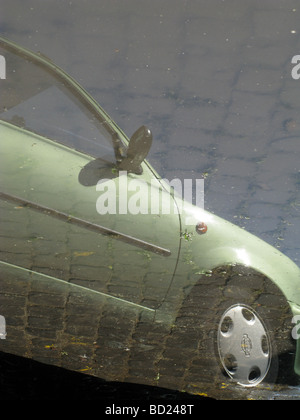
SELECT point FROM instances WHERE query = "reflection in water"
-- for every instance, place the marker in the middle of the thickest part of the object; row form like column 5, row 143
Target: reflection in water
column 213, row 81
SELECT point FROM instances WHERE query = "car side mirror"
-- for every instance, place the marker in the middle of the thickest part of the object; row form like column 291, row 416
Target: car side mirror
column 138, row 149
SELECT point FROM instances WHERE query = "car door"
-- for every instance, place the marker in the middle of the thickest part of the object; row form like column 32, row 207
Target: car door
column 56, row 156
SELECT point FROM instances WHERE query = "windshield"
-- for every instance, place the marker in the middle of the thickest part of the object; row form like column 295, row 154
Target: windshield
column 41, row 98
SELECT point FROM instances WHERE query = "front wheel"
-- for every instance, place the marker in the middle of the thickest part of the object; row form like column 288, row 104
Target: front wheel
column 235, row 326
column 252, row 338
column 244, row 346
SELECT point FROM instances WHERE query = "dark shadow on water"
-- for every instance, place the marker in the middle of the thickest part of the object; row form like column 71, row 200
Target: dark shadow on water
column 24, row 379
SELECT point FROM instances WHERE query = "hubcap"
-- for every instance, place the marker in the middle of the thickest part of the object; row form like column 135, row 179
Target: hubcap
column 244, row 346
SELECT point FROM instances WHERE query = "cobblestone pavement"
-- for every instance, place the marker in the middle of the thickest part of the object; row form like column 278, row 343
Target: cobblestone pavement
column 211, row 78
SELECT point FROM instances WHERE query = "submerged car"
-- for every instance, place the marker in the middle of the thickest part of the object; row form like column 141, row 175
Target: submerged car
column 173, row 299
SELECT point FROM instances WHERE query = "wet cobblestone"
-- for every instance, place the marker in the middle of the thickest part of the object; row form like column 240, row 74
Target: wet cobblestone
column 212, row 79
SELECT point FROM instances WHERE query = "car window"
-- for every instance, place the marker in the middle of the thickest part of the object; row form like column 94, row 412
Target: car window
column 36, row 99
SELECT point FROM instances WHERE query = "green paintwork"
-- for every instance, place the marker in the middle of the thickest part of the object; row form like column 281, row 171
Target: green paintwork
column 40, row 171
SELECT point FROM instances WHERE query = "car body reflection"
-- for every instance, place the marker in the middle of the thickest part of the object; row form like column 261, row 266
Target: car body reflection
column 126, row 297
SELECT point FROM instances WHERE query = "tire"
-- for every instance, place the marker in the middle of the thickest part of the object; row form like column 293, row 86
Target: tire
column 242, row 324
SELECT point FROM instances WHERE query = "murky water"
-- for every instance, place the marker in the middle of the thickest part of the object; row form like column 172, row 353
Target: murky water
column 211, row 78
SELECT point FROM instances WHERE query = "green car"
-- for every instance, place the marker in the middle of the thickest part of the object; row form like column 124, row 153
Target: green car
column 106, row 270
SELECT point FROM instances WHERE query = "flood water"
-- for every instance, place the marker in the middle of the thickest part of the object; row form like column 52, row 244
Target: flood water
column 211, row 78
